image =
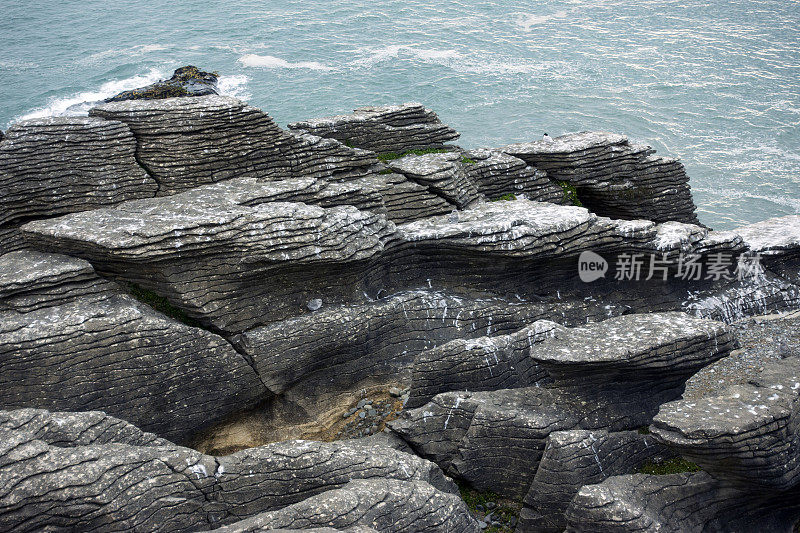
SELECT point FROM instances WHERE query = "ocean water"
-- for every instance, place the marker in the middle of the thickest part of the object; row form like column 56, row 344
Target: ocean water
column 714, row 82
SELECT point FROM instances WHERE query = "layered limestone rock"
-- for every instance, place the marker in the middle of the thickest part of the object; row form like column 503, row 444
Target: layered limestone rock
column 388, row 505
column 11, row 239
column 229, row 265
column 91, row 472
column 745, row 439
column 391, row 128
column 31, row 280
column 496, row 174
column 120, row 356
column 613, row 375
column 572, row 459
column 443, row 174
column 485, row 363
column 191, row 141
column 614, row 177
column 403, row 199
column 747, row 435
column 677, row 503
column 57, row 165
column 205, row 251
column 319, row 364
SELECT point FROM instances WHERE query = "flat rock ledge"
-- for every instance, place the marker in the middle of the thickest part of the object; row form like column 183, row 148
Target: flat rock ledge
column 610, row 376
column 390, row 128
column 745, row 439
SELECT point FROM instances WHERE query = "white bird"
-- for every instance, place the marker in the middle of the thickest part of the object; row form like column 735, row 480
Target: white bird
column 546, row 138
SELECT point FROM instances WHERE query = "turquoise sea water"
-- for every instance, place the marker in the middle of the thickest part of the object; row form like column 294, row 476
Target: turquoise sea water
column 716, row 83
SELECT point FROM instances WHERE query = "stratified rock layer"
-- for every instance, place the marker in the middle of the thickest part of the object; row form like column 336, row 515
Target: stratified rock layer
column 614, row 177
column 443, row 174
column 91, row 472
column 613, row 375
column 191, row 141
column 388, row 505
column 496, row 174
column 120, row 356
column 397, row 128
column 746, row 441
column 218, row 259
column 576, row 458
column 57, row 165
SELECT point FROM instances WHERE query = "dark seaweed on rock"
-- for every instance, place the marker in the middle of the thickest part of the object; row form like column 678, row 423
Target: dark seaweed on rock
column 185, row 81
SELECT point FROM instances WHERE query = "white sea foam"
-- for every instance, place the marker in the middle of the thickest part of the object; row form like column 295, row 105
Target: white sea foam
column 79, row 104
column 258, row 61
column 528, row 20
column 235, row 86
column 453, row 59
column 409, row 52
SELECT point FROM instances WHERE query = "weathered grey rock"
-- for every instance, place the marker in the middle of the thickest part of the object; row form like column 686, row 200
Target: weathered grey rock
column 443, row 174
column 120, row 356
column 773, row 237
column 191, row 141
column 315, row 363
column 612, row 375
column 388, row 505
column 746, row 435
column 576, row 458
column 677, row 503
column 496, row 174
column 485, row 363
column 746, row 441
column 391, row 128
column 401, row 199
column 11, row 239
column 31, row 280
column 71, row 429
column 232, row 276
column 91, row 472
column 230, row 266
column 51, row 166
column 614, row 177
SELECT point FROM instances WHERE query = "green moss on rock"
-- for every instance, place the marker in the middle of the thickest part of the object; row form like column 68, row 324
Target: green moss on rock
column 570, row 193
column 161, row 304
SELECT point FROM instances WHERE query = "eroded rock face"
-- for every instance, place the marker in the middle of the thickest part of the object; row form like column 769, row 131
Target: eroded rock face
column 496, row 174
column 746, row 435
column 485, row 363
column 122, row 357
column 31, row 280
column 746, row 441
column 676, row 503
column 217, row 261
column 572, row 459
column 91, row 472
column 323, row 276
column 388, row 505
column 397, row 128
column 191, row 141
column 443, row 174
column 613, row 375
column 57, row 165
column 613, row 176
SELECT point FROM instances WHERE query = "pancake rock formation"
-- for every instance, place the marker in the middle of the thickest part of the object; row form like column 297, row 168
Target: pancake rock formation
column 212, row 323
